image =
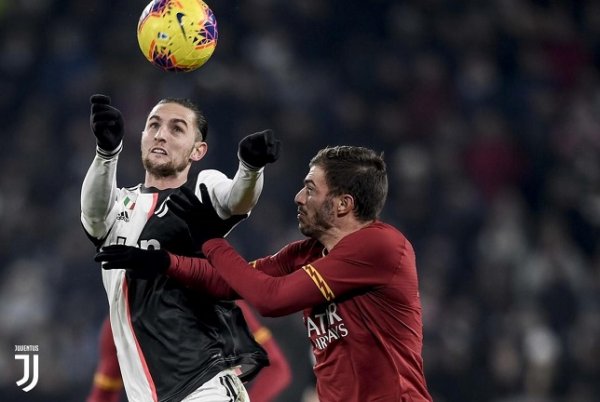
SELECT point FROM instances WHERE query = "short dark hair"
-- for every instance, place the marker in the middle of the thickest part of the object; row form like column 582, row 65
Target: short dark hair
column 201, row 123
column 357, row 171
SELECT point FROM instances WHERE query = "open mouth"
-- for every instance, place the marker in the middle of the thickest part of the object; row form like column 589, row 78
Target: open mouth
column 158, row 151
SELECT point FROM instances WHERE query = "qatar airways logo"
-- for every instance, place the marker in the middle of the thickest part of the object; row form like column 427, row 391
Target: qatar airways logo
column 326, row 327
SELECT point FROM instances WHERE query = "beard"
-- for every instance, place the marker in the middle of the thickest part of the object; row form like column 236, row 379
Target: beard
column 320, row 222
column 165, row 169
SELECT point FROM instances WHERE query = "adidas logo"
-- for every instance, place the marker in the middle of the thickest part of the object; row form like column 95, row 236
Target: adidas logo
column 123, row 216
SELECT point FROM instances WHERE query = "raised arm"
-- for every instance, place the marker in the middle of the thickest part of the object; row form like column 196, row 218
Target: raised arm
column 99, row 189
column 239, row 195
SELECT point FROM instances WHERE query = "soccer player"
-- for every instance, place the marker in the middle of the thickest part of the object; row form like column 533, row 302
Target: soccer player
column 107, row 385
column 173, row 344
column 355, row 278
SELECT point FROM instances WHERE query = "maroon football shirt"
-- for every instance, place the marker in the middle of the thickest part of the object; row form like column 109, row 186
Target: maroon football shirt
column 361, row 309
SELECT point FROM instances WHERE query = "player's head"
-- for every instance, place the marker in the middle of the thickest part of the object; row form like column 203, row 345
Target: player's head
column 174, row 136
column 200, row 121
column 341, row 180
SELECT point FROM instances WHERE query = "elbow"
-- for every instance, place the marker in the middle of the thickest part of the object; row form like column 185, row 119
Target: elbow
column 94, row 227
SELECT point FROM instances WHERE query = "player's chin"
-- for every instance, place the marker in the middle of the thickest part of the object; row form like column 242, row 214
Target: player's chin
column 305, row 229
column 301, row 221
column 159, row 168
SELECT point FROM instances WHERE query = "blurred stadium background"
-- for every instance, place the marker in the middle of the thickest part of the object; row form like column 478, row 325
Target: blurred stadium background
column 488, row 114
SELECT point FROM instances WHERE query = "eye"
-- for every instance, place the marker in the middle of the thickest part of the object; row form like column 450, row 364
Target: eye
column 153, row 125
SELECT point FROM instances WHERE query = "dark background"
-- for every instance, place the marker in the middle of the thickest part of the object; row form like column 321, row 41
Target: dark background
column 487, row 113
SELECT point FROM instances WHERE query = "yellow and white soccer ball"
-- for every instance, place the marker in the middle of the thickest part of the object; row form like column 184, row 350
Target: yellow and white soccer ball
column 177, row 35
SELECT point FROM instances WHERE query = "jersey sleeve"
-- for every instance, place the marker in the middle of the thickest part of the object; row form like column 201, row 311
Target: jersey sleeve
column 235, row 196
column 288, row 259
column 98, row 196
column 197, row 273
column 272, row 296
column 363, row 259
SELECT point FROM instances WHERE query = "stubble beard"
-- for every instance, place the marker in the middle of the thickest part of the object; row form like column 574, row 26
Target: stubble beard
column 163, row 170
column 321, row 222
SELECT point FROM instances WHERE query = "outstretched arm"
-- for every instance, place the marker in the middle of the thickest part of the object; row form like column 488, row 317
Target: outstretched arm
column 197, row 273
column 276, row 295
column 240, row 195
column 271, row 296
column 99, row 189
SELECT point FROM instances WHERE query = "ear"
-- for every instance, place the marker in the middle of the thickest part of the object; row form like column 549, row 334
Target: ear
column 200, row 149
column 345, row 204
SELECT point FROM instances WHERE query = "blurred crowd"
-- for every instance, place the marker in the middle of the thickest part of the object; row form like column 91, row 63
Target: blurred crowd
column 488, row 114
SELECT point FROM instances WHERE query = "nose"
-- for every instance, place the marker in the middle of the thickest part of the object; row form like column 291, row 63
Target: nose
column 299, row 198
column 159, row 134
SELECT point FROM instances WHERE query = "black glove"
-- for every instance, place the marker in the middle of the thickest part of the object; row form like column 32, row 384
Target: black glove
column 106, row 122
column 142, row 263
column 258, row 149
column 201, row 217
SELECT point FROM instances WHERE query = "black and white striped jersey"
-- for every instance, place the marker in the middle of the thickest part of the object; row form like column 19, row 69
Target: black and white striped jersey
column 169, row 339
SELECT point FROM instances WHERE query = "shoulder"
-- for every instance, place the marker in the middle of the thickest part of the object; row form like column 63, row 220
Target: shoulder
column 378, row 240
column 210, row 175
column 212, row 178
column 131, row 192
column 376, row 233
column 300, row 250
column 306, row 246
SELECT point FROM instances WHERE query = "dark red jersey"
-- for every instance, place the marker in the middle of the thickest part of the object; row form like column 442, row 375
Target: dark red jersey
column 361, row 309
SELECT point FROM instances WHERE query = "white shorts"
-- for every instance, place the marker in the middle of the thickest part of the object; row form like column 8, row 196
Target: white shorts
column 224, row 387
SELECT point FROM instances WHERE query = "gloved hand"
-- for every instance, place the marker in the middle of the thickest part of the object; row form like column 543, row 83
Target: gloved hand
column 106, row 122
column 143, row 263
column 201, row 217
column 258, row 149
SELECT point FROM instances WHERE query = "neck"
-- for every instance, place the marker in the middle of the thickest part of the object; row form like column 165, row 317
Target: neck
column 163, row 183
column 332, row 236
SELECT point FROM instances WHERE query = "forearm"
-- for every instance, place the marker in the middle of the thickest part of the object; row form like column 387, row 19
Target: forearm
column 246, row 187
column 98, row 193
column 197, row 273
column 271, row 296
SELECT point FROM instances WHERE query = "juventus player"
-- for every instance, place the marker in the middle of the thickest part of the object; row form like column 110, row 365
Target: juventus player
column 107, row 385
column 355, row 278
column 173, row 344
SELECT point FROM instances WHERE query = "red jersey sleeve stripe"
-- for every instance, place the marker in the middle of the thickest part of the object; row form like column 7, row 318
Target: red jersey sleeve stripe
column 319, row 281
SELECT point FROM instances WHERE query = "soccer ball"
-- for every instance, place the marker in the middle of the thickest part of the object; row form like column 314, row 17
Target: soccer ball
column 177, row 35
